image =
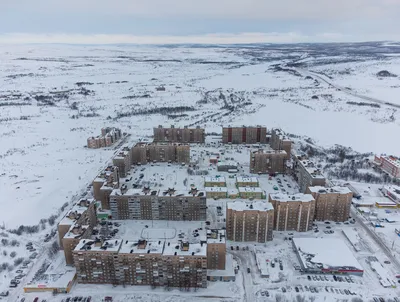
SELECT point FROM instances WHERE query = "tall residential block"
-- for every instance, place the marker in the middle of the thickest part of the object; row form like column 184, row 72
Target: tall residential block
column 249, row 221
column 331, row 203
column 179, row 135
column 104, row 184
column 123, row 161
column 143, row 153
column 389, row 164
column 293, row 212
column 244, row 135
column 279, row 141
column 268, row 161
column 216, row 249
column 306, row 173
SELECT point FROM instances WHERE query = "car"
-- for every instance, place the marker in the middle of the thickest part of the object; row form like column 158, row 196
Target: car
column 248, row 270
column 266, row 293
column 18, row 271
column 314, row 278
column 275, row 188
column 262, row 293
column 327, row 222
column 296, row 289
column 312, row 289
column 335, row 278
column 22, row 300
column 283, row 289
column 68, row 299
column 309, row 278
column 89, row 299
column 328, row 227
column 381, row 299
column 231, row 248
column 326, row 289
column 237, row 247
column 306, row 287
column 36, row 299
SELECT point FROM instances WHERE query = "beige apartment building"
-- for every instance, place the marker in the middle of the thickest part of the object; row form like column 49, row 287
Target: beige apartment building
column 244, row 135
column 216, row 249
column 148, row 204
column 179, row 135
column 104, row 184
column 108, row 137
column 139, row 262
column 247, row 182
column 279, row 141
column 214, row 181
column 249, row 221
column 216, row 192
column 123, row 161
column 293, row 212
column 331, row 203
column 306, row 174
column 143, row 153
column 269, row 162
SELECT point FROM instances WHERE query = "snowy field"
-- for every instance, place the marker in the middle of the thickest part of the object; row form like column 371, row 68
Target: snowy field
column 54, row 97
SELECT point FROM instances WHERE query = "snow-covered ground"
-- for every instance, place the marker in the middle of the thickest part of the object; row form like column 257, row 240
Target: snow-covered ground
column 54, row 97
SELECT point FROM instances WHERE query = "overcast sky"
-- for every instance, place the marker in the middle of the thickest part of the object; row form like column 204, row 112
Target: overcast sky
column 203, row 21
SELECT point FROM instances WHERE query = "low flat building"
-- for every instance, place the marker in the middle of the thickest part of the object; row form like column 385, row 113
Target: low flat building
column 249, row 221
column 293, row 212
column 214, row 181
column 251, row 192
column 392, row 192
column 226, row 166
column 216, row 192
column 268, row 161
column 247, row 182
column 331, row 203
column 244, row 135
column 179, row 135
column 306, row 173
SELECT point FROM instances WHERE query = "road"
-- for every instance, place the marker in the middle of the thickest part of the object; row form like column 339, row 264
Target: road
column 376, row 238
column 346, row 90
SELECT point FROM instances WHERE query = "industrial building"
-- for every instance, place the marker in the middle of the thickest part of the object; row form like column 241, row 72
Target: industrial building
column 293, row 212
column 331, row 203
column 249, row 221
column 268, row 161
column 179, row 135
column 244, row 135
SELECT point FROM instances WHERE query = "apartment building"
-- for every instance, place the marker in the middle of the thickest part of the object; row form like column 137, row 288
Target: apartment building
column 293, row 212
column 123, row 161
column 306, row 174
column 389, row 164
column 268, row 161
column 108, row 137
column 247, row 182
column 104, row 184
column 249, row 221
column 179, row 135
column 216, row 192
column 392, row 192
column 141, row 262
column 244, row 135
column 251, row 192
column 143, row 153
column 216, row 249
column 331, row 203
column 214, row 181
column 148, row 204
column 279, row 141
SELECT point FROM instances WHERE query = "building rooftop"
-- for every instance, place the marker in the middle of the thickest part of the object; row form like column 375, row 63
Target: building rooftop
column 98, row 245
column 122, row 155
column 185, row 249
column 227, row 163
column 244, row 205
column 76, row 231
column 216, row 236
column 214, row 179
column 268, row 151
column 295, row 197
column 310, row 168
column 336, row 189
column 216, row 189
column 250, row 189
column 246, row 179
column 141, row 246
column 75, row 213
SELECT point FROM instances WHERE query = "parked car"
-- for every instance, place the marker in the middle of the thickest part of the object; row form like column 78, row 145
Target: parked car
column 248, row 270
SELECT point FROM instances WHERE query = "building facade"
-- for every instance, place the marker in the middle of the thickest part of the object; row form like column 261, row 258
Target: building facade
column 143, row 153
column 147, row 204
column 108, row 137
column 244, row 135
column 306, row 174
column 279, row 141
column 270, row 162
column 249, row 221
column 123, row 161
column 216, row 249
column 214, row 181
column 389, row 164
column 331, row 203
column 104, row 184
column 293, row 212
column 179, row 135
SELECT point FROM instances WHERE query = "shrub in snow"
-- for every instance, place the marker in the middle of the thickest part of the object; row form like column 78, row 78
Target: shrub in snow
column 4, row 242
column 13, row 254
column 18, row 261
column 14, row 242
column 4, row 253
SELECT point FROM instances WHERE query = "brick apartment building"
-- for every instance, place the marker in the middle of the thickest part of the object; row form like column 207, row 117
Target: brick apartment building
column 389, row 164
column 78, row 223
column 249, row 221
column 147, row 204
column 179, row 135
column 306, row 174
column 141, row 262
column 331, row 203
column 104, row 184
column 293, row 212
column 268, row 161
column 214, row 181
column 143, row 153
column 244, row 135
column 247, row 182
column 108, row 137
column 279, row 141
column 216, row 249
column 123, row 160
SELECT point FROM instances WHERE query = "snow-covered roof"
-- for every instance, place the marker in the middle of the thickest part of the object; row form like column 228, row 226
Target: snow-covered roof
column 245, row 205
column 194, row 249
column 281, row 197
column 246, row 179
column 77, row 210
column 250, row 189
column 216, row 189
column 142, row 247
column 325, row 253
column 214, row 179
column 105, row 246
column 335, row 189
column 216, row 236
column 227, row 163
column 393, row 190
